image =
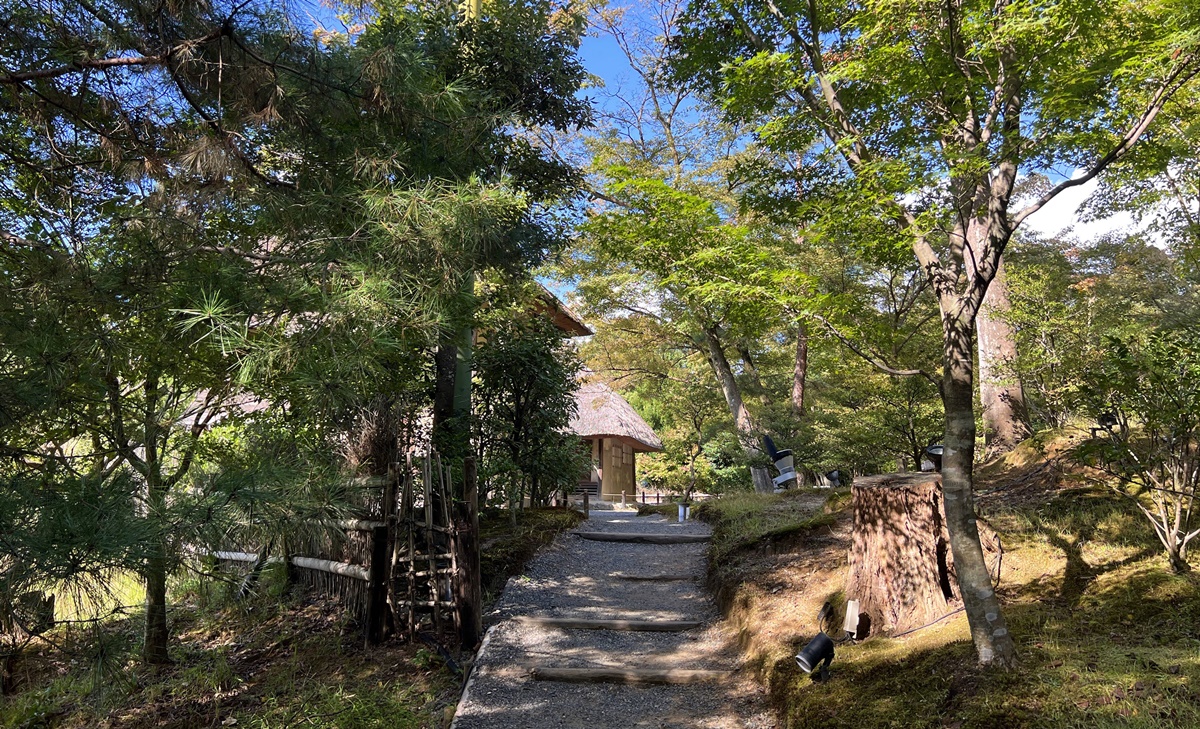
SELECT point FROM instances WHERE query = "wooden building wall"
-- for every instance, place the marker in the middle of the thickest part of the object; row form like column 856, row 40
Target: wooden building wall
column 619, row 472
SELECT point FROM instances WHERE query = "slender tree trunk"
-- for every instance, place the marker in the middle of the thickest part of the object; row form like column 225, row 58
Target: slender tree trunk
column 157, row 634
column 747, row 432
column 800, row 369
column 692, row 456
column 1176, row 557
column 452, row 396
column 993, row 643
column 1003, row 398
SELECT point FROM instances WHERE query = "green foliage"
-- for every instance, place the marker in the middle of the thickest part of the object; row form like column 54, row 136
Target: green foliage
column 864, row 421
column 226, row 257
column 1067, row 298
column 524, row 398
column 1151, row 388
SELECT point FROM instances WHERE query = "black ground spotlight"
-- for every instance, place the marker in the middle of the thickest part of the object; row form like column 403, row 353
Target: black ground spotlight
column 818, row 651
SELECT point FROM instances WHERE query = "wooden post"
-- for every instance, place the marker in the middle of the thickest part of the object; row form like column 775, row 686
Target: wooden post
column 622, row 498
column 428, row 473
column 411, row 525
column 377, row 585
column 469, row 588
column 585, row 505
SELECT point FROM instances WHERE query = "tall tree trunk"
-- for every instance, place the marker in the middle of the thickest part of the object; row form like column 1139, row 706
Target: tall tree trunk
column 1002, row 397
column 452, row 395
column 444, row 365
column 800, row 369
column 157, row 633
column 747, row 432
column 993, row 643
column 752, row 373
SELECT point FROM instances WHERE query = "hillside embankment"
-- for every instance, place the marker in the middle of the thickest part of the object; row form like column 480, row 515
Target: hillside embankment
column 1106, row 634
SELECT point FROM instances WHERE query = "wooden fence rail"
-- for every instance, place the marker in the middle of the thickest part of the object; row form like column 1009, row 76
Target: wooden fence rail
column 415, row 568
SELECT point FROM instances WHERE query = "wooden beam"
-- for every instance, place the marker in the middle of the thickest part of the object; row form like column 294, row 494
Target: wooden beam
column 234, row 556
column 628, row 675
column 643, row 538
column 336, row 568
column 358, row 525
column 653, row 626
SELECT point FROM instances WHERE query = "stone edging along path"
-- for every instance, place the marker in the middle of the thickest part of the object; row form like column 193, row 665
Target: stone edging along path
column 612, row 633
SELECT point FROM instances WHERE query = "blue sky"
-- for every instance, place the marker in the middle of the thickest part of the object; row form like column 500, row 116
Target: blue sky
column 603, row 58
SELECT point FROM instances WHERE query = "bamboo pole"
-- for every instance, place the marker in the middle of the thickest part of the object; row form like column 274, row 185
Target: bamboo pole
column 331, row 567
column 410, row 525
column 431, row 551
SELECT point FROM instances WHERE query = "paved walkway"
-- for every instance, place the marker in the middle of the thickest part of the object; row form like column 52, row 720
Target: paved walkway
column 579, row 578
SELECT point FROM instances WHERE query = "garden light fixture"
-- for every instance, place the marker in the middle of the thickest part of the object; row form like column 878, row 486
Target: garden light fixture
column 934, row 454
column 784, row 463
column 818, row 651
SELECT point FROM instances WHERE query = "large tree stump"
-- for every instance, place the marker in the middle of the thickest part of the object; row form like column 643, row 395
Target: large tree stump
column 901, row 567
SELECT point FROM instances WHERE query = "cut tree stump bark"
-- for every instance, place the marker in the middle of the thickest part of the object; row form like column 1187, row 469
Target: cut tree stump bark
column 652, row 626
column 901, row 567
column 643, row 538
column 628, row 675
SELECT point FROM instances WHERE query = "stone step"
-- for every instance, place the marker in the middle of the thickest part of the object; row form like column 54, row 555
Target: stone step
column 668, row 676
column 656, row 626
column 643, row 538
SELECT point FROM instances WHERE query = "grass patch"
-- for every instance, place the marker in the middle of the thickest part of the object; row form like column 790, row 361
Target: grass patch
column 284, row 658
column 669, row 510
column 505, row 550
column 746, row 520
column 1127, row 653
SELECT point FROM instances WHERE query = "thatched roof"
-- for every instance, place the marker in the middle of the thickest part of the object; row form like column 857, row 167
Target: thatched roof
column 604, row 413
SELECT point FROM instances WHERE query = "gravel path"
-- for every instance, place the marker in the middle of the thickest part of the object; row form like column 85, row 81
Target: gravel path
column 575, row 577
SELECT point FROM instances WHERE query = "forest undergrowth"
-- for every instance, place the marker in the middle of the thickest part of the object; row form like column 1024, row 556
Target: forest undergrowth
column 286, row 657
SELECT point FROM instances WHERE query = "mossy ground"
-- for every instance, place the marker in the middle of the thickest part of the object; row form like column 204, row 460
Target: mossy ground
column 1106, row 634
column 285, row 658
column 267, row 662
